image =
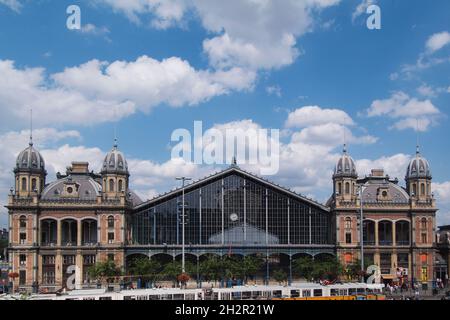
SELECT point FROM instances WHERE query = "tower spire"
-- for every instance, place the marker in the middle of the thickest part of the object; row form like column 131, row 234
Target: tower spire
column 31, row 127
column 417, row 137
column 115, row 136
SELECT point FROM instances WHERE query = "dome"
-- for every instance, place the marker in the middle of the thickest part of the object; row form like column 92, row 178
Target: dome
column 345, row 166
column 115, row 162
column 418, row 167
column 30, row 159
column 86, row 188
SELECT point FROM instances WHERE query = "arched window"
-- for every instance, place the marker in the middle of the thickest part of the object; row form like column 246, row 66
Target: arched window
column 111, row 222
column 23, row 221
column 34, row 184
column 111, row 185
column 414, row 189
column 423, row 223
column 348, row 223
column 347, row 188
column 24, row 184
column 120, row 185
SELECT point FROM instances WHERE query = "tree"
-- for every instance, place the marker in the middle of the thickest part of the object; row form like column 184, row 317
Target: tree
column 211, row 269
column 173, row 270
column 104, row 271
column 280, row 276
column 319, row 269
column 249, row 266
column 304, row 267
column 145, row 269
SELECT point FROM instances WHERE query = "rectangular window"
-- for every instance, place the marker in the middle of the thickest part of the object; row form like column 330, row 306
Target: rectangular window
column 424, row 238
column 88, row 259
column 23, row 259
column 48, row 276
column 348, row 238
column 385, row 263
column 48, row 260
column 317, row 292
column 68, row 260
column 23, row 238
column 22, row 277
column 111, row 256
column 110, row 237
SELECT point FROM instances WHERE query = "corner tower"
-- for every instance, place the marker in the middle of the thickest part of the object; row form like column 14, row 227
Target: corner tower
column 418, row 178
column 115, row 174
column 29, row 172
column 345, row 178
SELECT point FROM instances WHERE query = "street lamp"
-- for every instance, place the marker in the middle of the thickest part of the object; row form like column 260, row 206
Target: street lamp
column 183, row 258
column 361, row 228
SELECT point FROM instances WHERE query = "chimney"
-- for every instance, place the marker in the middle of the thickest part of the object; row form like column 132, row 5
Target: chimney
column 80, row 167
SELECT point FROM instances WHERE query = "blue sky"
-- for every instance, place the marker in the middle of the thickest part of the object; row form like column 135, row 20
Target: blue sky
column 307, row 59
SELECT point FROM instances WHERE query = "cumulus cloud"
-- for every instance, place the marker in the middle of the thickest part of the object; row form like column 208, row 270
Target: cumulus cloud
column 315, row 115
column 409, row 113
column 437, row 41
column 101, row 92
column 247, row 33
column 14, row 5
column 442, row 194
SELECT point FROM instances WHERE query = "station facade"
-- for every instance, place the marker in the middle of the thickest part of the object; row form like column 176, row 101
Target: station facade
column 84, row 217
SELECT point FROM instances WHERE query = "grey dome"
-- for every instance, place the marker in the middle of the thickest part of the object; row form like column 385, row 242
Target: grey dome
column 345, row 166
column 418, row 167
column 115, row 162
column 30, row 160
column 87, row 188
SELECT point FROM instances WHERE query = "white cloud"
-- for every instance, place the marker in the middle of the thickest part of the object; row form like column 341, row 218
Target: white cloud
column 395, row 166
column 149, row 82
column 274, row 90
column 314, row 115
column 330, row 134
column 409, row 112
column 361, row 8
column 164, row 13
column 94, row 30
column 101, row 92
column 442, row 194
column 437, row 41
column 426, row 59
column 14, row 5
column 249, row 34
column 428, row 91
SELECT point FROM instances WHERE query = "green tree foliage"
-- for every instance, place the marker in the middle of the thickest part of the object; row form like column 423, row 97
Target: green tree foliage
column 319, row 269
column 280, row 276
column 145, row 268
column 104, row 271
column 173, row 270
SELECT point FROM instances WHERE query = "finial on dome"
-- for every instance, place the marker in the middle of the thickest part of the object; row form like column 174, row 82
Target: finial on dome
column 115, row 138
column 31, row 128
column 345, row 148
column 417, row 149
